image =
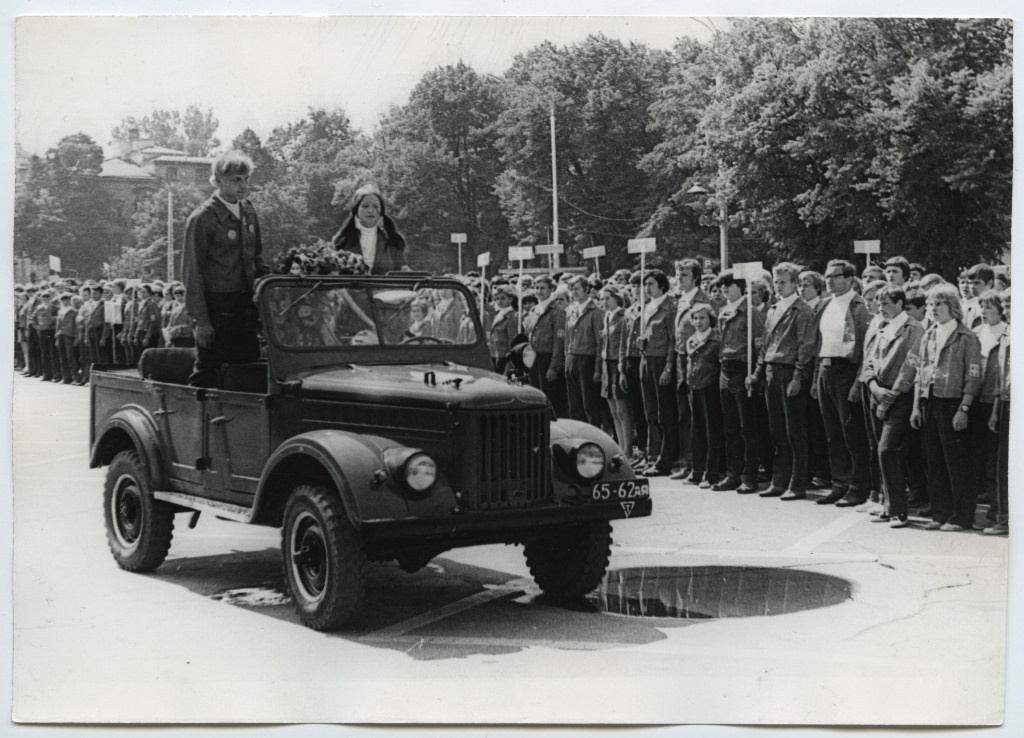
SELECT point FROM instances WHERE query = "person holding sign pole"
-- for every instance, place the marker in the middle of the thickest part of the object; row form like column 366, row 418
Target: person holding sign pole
column 842, row 320
column 688, row 272
column 582, row 371
column 738, row 410
column 657, row 372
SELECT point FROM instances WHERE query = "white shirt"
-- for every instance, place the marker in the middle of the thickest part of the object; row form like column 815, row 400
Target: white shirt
column 988, row 336
column 652, row 307
column 942, row 333
column 367, row 243
column 686, row 300
column 833, row 326
column 234, row 207
column 784, row 303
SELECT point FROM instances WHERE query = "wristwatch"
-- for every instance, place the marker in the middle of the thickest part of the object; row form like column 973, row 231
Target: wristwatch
column 965, row 408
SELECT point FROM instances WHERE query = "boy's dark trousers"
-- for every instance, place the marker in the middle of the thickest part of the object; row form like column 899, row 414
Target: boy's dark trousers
column 235, row 336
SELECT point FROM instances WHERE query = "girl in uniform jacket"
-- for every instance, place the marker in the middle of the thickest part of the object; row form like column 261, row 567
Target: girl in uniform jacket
column 504, row 327
column 368, row 231
column 702, row 370
column 948, row 367
column 614, row 304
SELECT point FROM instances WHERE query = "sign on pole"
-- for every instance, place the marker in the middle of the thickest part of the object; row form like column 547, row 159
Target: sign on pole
column 459, row 238
column 483, row 259
column 550, row 248
column 642, row 246
column 522, row 253
column 595, row 253
column 749, row 271
column 867, row 248
column 55, row 264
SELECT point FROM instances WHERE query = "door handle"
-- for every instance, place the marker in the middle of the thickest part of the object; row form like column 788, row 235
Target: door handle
column 161, row 413
column 220, row 420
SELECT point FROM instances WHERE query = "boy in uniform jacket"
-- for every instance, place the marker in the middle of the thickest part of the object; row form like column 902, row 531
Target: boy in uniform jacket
column 702, row 370
column 582, row 371
column 785, row 365
column 688, row 273
column 545, row 326
column 657, row 372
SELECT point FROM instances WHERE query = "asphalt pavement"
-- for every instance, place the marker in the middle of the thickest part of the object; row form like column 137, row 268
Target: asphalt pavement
column 720, row 608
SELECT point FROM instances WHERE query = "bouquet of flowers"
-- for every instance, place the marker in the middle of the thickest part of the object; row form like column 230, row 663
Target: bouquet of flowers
column 321, row 258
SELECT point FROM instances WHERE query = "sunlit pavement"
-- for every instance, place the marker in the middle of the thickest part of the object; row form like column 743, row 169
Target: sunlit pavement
column 784, row 612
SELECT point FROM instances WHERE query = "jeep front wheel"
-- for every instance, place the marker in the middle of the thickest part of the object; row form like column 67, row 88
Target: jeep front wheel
column 139, row 527
column 324, row 560
column 570, row 562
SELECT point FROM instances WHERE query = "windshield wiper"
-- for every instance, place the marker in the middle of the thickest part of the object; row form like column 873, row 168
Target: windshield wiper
column 299, row 299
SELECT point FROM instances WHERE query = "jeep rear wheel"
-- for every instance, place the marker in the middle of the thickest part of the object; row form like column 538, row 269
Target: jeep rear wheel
column 569, row 563
column 139, row 527
column 324, row 560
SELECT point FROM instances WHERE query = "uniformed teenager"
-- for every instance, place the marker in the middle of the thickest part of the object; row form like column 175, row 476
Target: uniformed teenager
column 999, row 424
column 785, row 366
column 688, row 274
column 984, row 444
column 222, row 257
column 890, row 385
column 504, row 326
column 702, row 371
column 738, row 409
column 629, row 373
column 545, row 327
column 948, row 381
column 657, row 372
column 582, row 369
column 613, row 303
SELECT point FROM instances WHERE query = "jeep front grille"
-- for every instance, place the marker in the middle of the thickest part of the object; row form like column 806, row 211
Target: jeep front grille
column 504, row 459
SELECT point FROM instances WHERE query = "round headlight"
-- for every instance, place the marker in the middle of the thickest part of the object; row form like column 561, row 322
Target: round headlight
column 529, row 356
column 590, row 460
column 420, row 472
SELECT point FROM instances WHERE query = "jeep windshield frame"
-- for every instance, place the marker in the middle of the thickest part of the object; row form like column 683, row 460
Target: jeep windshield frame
column 315, row 322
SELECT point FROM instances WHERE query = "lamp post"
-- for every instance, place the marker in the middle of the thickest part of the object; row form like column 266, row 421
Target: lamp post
column 723, row 224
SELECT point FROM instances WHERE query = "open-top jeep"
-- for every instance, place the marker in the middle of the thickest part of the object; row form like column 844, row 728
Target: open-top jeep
column 362, row 440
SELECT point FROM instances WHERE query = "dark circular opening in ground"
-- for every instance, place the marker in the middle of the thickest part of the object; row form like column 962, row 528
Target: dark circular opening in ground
column 704, row 592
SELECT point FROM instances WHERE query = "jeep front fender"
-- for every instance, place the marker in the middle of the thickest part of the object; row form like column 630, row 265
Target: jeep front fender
column 356, row 467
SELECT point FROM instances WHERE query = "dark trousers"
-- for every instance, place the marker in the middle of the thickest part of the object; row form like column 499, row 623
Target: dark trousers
column 917, row 478
column 984, row 453
column 97, row 353
column 235, row 337
column 68, row 360
column 844, row 427
column 555, row 390
column 684, row 413
column 660, row 405
column 739, row 419
column 893, row 432
column 35, row 358
column 1003, row 462
column 635, row 397
column 765, row 443
column 584, row 393
column 116, row 348
column 48, row 362
column 787, row 420
column 872, row 433
column 948, row 459
column 706, row 438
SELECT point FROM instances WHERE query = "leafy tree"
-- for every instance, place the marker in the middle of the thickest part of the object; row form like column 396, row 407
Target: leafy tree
column 64, row 210
column 192, row 132
column 601, row 91
column 146, row 256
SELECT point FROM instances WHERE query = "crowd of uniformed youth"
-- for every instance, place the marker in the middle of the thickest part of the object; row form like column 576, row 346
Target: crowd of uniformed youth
column 62, row 327
column 885, row 391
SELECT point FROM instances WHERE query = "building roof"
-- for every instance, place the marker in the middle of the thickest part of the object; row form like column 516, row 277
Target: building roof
column 183, row 160
column 160, row 150
column 125, row 169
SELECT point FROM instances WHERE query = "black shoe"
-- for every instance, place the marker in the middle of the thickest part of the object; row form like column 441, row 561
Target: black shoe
column 746, row 488
column 851, row 500
column 832, row 497
column 791, row 495
column 726, row 484
column 773, row 491
column 694, row 478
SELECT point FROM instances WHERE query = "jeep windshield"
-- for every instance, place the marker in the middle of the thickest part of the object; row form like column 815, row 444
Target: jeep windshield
column 316, row 321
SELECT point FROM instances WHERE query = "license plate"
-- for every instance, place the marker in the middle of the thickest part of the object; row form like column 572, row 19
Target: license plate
column 630, row 489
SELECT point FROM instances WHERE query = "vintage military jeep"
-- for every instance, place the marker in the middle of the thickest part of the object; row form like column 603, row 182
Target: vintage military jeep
column 364, row 436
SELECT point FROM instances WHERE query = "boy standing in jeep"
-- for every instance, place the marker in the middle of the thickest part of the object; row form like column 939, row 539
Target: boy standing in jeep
column 221, row 260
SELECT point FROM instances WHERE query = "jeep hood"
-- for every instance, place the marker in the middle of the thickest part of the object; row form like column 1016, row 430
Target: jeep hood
column 412, row 385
